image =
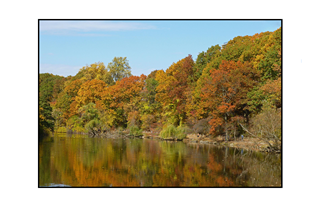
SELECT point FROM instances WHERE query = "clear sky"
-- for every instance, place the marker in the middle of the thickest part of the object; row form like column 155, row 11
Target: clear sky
column 66, row 46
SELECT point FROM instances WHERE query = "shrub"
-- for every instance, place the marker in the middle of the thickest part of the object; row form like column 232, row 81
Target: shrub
column 134, row 118
column 182, row 132
column 43, row 132
column 147, row 121
column 93, row 125
column 267, row 125
column 202, row 126
column 170, row 130
column 135, row 131
column 79, row 129
column 61, row 130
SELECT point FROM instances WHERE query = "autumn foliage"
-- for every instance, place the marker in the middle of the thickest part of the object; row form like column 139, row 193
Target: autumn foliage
column 223, row 88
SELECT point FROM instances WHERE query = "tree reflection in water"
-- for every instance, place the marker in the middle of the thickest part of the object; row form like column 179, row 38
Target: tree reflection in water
column 83, row 161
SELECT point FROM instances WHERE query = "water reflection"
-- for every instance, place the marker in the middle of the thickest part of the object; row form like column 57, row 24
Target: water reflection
column 82, row 161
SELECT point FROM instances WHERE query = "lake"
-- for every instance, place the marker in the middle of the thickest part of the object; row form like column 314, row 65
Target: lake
column 82, row 161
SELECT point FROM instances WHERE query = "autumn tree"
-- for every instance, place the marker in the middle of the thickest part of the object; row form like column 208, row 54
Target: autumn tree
column 267, row 125
column 49, row 87
column 269, row 61
column 224, row 95
column 204, row 58
column 96, row 71
column 122, row 99
column 150, row 108
column 62, row 111
column 173, row 89
column 89, row 92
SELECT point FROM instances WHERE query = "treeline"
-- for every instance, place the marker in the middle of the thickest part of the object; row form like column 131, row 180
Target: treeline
column 227, row 91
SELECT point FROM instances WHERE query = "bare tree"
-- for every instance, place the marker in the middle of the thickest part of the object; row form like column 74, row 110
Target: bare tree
column 267, row 126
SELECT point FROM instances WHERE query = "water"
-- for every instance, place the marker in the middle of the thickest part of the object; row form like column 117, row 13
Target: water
column 81, row 161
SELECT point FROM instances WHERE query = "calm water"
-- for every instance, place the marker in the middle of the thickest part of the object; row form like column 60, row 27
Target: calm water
column 77, row 160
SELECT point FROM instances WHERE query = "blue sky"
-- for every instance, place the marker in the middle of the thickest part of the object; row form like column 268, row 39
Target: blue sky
column 66, row 46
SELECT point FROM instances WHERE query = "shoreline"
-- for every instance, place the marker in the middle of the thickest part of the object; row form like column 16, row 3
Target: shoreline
column 248, row 143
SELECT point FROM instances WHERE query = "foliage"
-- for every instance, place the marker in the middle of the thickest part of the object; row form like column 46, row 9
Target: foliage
column 222, row 90
column 43, row 131
column 173, row 89
column 267, row 124
column 202, row 126
column 74, row 122
column 79, row 129
column 96, row 71
column 119, row 68
column 135, row 131
column 61, row 130
column 272, row 91
column 90, row 92
column 88, row 112
column 45, row 118
column 122, row 99
column 170, row 131
column 203, row 59
column 224, row 95
column 93, row 125
column 148, row 121
column 49, row 87
column 182, row 132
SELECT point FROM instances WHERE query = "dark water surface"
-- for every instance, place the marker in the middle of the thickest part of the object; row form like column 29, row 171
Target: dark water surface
column 80, row 161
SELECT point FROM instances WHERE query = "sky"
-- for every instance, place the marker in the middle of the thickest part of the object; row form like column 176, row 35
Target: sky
column 67, row 46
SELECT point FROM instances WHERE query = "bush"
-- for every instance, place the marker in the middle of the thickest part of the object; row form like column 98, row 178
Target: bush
column 170, row 130
column 182, row 132
column 43, row 132
column 93, row 125
column 79, row 129
column 267, row 125
column 135, row 131
column 147, row 121
column 202, row 126
column 134, row 118
column 61, row 130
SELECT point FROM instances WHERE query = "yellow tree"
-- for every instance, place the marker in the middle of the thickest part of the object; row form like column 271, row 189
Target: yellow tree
column 90, row 92
column 96, row 71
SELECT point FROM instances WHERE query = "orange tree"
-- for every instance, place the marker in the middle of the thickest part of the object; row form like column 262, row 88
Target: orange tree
column 120, row 102
column 173, row 89
column 224, row 96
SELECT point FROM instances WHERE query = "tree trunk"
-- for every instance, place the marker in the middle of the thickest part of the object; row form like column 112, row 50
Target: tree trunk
column 227, row 135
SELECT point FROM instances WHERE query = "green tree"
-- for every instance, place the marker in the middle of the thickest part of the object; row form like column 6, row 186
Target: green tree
column 119, row 68
column 203, row 59
column 49, row 87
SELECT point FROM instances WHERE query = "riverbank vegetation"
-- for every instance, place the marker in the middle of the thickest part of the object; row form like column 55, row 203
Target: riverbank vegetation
column 227, row 91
